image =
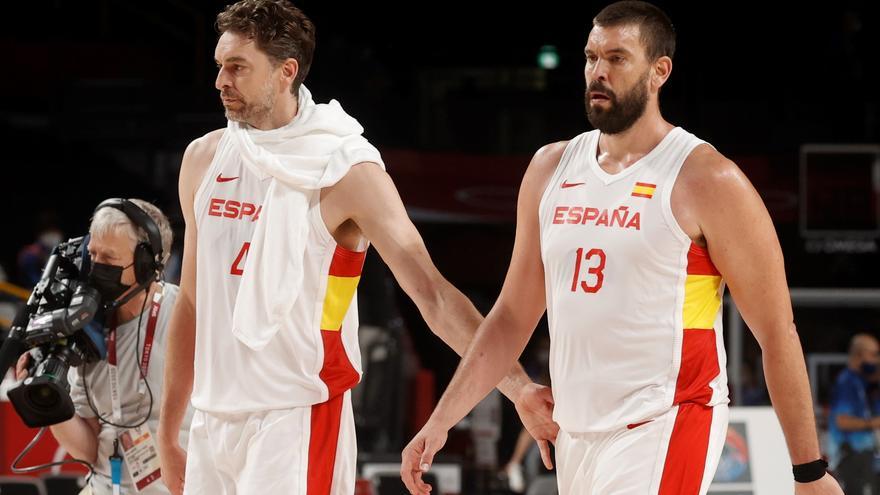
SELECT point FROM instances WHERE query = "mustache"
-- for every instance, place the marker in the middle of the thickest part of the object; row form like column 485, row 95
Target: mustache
column 228, row 93
column 601, row 88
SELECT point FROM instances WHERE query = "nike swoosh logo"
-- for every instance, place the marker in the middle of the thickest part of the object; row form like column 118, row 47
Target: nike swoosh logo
column 220, row 178
column 633, row 426
column 566, row 184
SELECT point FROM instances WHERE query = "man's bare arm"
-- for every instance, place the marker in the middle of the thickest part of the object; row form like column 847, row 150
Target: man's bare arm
column 79, row 437
column 180, row 347
column 743, row 245
column 504, row 333
column 383, row 220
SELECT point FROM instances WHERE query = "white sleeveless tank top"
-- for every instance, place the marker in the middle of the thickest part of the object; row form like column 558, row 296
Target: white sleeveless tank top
column 634, row 306
column 305, row 365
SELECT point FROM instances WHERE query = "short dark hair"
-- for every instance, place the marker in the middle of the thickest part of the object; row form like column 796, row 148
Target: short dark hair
column 656, row 31
column 278, row 28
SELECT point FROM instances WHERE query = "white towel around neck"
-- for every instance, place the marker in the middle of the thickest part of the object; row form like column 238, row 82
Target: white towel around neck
column 314, row 151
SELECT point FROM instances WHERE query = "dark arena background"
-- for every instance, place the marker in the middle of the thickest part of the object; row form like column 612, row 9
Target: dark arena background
column 99, row 99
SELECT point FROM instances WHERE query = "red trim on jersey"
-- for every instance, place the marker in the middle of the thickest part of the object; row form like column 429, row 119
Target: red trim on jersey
column 323, row 440
column 337, row 372
column 339, row 375
column 699, row 366
column 347, row 263
column 688, row 447
column 699, row 262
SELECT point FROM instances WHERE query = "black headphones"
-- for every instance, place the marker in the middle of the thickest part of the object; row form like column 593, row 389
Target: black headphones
column 147, row 255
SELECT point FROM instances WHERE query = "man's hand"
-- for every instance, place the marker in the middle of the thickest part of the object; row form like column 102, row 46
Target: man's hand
column 21, row 367
column 825, row 485
column 173, row 461
column 535, row 408
column 418, row 456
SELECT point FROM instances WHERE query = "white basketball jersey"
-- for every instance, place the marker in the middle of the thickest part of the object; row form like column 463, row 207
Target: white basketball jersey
column 634, row 306
column 301, row 366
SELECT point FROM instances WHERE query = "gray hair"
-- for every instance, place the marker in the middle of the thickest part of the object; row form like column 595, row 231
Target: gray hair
column 111, row 220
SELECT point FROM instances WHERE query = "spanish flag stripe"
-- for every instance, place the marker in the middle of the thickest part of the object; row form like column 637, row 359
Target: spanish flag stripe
column 342, row 282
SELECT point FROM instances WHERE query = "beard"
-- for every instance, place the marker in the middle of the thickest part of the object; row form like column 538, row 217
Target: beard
column 622, row 112
column 252, row 110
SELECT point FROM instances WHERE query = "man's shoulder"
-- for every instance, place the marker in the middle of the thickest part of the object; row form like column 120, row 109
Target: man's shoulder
column 707, row 163
column 170, row 291
column 707, row 177
column 169, row 298
column 361, row 174
column 549, row 155
column 205, row 146
column 541, row 168
column 545, row 160
column 197, row 158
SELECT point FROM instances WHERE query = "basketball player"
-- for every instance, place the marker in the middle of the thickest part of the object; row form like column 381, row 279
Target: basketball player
column 632, row 230
column 279, row 208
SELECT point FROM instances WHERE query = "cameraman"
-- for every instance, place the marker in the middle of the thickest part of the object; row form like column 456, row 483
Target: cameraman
column 124, row 273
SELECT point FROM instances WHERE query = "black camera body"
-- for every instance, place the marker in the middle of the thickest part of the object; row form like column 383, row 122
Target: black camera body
column 59, row 320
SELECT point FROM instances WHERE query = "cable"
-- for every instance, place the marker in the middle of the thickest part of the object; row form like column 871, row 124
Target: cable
column 140, row 371
column 31, row 469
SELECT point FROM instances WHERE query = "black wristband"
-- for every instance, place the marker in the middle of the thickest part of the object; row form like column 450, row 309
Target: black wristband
column 810, row 471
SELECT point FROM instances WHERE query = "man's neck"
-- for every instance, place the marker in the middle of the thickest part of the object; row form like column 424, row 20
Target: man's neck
column 282, row 114
column 619, row 151
column 132, row 309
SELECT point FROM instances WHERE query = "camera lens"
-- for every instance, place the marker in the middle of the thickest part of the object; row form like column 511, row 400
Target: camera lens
column 43, row 396
column 44, row 399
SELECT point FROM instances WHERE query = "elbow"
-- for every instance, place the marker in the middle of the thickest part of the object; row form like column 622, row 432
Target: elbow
column 88, row 453
column 789, row 333
column 429, row 296
column 91, row 455
column 82, row 445
column 782, row 334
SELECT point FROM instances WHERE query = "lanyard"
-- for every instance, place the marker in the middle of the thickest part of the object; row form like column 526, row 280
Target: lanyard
column 115, row 397
column 116, row 468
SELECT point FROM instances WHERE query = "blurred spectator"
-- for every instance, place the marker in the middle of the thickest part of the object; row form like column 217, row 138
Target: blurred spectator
column 855, row 417
column 754, row 393
column 8, row 305
column 32, row 258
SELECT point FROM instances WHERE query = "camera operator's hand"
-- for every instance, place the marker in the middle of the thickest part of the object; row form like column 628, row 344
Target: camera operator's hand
column 21, row 367
column 173, row 461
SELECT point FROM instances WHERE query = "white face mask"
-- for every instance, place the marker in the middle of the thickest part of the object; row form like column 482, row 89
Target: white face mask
column 50, row 238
